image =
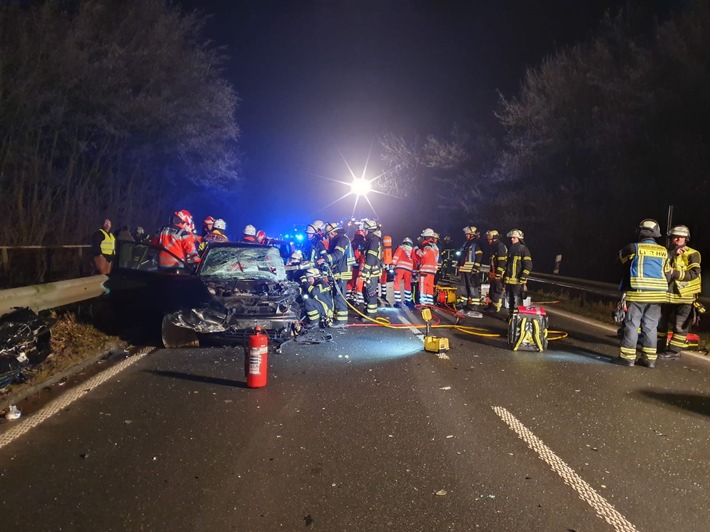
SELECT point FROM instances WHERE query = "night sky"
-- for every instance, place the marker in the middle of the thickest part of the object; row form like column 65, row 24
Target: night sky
column 317, row 78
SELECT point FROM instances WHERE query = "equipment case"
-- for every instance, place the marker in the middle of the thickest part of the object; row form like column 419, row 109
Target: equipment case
column 527, row 329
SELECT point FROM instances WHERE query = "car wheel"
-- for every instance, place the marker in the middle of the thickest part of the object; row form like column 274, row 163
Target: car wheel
column 174, row 336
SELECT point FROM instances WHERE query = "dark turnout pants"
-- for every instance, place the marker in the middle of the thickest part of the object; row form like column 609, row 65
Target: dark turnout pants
column 676, row 318
column 646, row 316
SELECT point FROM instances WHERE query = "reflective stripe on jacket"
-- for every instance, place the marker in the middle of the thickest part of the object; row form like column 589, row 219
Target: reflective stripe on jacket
column 373, row 256
column 519, row 264
column 689, row 283
column 179, row 243
column 646, row 280
column 341, row 258
column 403, row 259
column 430, row 259
column 470, row 258
column 499, row 260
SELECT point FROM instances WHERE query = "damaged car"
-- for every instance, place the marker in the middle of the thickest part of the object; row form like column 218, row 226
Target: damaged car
column 235, row 288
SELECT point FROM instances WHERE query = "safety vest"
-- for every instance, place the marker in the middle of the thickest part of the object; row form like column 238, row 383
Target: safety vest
column 470, row 259
column 430, row 259
column 689, row 284
column 179, row 243
column 108, row 244
column 648, row 269
column 403, row 259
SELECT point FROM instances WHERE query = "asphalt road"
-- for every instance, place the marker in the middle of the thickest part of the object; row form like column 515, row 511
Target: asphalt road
column 368, row 432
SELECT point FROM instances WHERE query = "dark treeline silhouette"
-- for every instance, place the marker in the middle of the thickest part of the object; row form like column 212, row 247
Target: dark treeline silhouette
column 108, row 108
column 601, row 135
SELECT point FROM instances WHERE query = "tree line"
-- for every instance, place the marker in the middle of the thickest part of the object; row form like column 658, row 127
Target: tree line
column 601, row 135
column 108, row 108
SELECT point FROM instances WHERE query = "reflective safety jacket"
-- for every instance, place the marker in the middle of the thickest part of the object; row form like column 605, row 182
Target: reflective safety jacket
column 108, row 244
column 213, row 236
column 499, row 260
column 373, row 256
column 430, row 258
column 470, row 258
column 688, row 284
column 519, row 264
column 179, row 243
column 648, row 273
column 403, row 258
column 341, row 257
column 321, row 294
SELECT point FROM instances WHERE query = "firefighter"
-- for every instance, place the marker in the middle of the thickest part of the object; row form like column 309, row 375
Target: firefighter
column 315, row 247
column 217, row 234
column 518, row 268
column 141, row 236
column 103, row 245
column 403, row 262
column 207, row 226
column 371, row 268
column 261, row 237
column 645, row 285
column 177, row 241
column 498, row 262
column 317, row 298
column 428, row 266
column 469, row 267
column 354, row 286
column 340, row 260
column 386, row 265
column 684, row 289
column 249, row 234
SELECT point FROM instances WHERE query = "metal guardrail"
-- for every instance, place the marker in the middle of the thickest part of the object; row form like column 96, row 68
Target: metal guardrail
column 45, row 296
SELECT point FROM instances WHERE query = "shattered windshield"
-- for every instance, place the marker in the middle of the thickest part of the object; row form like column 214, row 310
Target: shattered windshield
column 244, row 263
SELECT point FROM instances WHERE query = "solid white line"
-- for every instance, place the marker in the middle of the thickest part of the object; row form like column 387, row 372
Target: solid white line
column 416, row 331
column 68, row 398
column 586, row 492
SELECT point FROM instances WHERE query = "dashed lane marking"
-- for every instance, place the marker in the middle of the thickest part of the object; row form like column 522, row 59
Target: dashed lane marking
column 586, row 492
column 68, row 398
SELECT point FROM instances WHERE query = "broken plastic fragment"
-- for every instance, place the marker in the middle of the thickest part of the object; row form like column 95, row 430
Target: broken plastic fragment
column 13, row 413
column 445, row 388
column 441, row 493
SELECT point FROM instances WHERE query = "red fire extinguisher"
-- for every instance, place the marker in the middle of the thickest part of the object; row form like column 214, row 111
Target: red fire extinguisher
column 255, row 361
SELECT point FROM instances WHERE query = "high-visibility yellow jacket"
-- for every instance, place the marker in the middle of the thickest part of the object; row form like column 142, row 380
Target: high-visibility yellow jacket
column 108, row 244
column 688, row 284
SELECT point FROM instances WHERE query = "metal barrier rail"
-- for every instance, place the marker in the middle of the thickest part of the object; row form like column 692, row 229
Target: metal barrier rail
column 45, row 296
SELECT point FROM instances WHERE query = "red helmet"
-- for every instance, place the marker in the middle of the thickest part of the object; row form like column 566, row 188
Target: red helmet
column 208, row 220
column 261, row 236
column 183, row 218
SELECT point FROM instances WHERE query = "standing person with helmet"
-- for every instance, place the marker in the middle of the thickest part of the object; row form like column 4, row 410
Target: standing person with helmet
column 141, row 236
column 498, row 263
column 469, row 267
column 645, row 286
column 217, row 234
column 207, row 226
column 403, row 262
column 314, row 248
column 317, row 298
column 684, row 289
column 249, row 234
column 371, row 268
column 517, row 270
column 340, row 259
column 386, row 264
column 103, row 248
column 428, row 266
column 177, row 241
column 355, row 284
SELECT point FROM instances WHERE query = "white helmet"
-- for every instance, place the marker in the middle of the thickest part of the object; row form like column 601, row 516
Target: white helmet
column 297, row 255
column 428, row 233
column 312, row 272
column 470, row 230
column 314, row 228
column 250, row 230
column 220, row 224
column 332, row 226
column 515, row 233
column 370, row 225
column 680, row 230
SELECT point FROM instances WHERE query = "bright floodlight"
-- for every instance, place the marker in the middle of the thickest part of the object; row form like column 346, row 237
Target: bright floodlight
column 360, row 187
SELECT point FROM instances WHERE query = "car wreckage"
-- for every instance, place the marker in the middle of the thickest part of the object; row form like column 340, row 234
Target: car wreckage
column 234, row 288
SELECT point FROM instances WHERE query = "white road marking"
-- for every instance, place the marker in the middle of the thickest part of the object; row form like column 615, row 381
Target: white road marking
column 416, row 331
column 586, row 492
column 68, row 398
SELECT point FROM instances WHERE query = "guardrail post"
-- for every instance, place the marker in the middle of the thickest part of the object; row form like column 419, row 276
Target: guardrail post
column 558, row 261
column 5, row 262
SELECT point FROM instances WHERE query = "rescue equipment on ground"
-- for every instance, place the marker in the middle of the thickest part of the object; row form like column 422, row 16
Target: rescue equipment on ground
column 256, row 359
column 445, row 295
column 527, row 329
column 433, row 344
column 619, row 313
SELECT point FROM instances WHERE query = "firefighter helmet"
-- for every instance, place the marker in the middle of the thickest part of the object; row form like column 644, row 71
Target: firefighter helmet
column 428, row 233
column 470, row 230
column 183, row 218
column 680, row 230
column 407, row 241
column 370, row 225
column 297, row 255
column 332, row 226
column 250, row 230
column 140, row 230
column 435, row 235
column 515, row 233
column 492, row 234
column 314, row 228
column 650, row 225
column 220, row 224
column 312, row 272
column 261, row 236
column 208, row 220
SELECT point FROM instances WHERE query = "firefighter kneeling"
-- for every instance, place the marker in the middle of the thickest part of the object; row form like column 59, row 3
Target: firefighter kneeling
column 317, row 299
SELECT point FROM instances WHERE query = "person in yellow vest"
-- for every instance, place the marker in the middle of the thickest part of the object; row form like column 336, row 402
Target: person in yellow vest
column 645, row 286
column 103, row 245
column 684, row 288
column 386, row 265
